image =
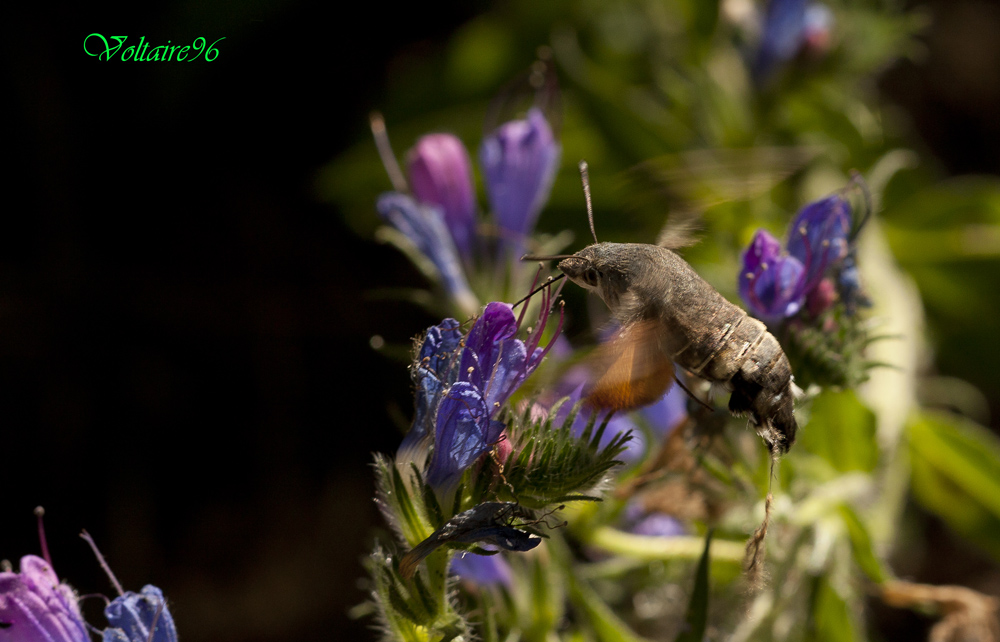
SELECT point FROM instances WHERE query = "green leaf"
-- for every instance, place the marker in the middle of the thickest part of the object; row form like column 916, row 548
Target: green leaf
column 832, row 615
column 956, row 475
column 861, row 546
column 551, row 465
column 841, row 430
column 607, row 626
column 696, row 618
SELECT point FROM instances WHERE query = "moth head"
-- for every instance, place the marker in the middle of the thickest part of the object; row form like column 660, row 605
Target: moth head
column 600, row 268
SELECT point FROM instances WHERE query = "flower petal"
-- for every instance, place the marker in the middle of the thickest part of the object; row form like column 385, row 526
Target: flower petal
column 433, row 369
column 35, row 607
column 818, row 237
column 441, row 174
column 781, row 36
column 424, row 226
column 483, row 570
column 775, row 290
column 134, row 615
column 463, row 432
column 519, row 162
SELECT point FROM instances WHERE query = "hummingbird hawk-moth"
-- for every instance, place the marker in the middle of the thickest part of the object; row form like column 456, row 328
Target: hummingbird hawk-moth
column 668, row 314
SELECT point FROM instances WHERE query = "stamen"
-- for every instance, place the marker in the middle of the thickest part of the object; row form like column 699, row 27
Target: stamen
column 39, row 513
column 100, row 559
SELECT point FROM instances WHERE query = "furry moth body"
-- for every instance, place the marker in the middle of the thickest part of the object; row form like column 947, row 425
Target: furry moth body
column 668, row 314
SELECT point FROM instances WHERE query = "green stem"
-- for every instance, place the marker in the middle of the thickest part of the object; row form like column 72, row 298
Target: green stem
column 664, row 548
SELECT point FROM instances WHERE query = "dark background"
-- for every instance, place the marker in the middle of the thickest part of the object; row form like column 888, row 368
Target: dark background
column 185, row 368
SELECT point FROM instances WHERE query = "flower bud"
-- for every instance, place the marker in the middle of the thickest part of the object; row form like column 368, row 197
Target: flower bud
column 441, row 175
column 519, row 162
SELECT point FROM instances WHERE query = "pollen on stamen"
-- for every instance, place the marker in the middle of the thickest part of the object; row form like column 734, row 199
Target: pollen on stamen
column 826, row 243
column 470, row 370
column 802, row 230
column 751, row 275
column 763, row 266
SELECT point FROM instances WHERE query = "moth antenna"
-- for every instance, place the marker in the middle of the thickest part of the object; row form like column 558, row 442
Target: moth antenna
column 585, row 179
column 389, row 161
column 100, row 560
column 40, row 513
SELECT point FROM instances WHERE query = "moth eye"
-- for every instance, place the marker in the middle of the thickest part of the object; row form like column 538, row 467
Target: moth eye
column 590, row 277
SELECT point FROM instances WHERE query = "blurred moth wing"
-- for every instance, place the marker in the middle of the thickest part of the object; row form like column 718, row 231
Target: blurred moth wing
column 630, row 371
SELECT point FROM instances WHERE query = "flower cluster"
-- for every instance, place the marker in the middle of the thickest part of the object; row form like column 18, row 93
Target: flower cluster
column 810, row 291
column 777, row 285
column 461, row 384
column 36, row 607
column 438, row 216
column 478, row 470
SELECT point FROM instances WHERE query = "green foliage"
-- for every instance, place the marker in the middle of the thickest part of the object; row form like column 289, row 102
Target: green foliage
column 956, row 475
column 834, row 618
column 861, row 546
column 697, row 613
column 552, row 465
column 841, row 430
column 828, row 351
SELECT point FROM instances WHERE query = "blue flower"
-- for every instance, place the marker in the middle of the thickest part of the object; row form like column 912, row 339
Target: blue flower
column 818, row 237
column 776, row 285
column 519, row 162
column 433, row 369
column 772, row 285
column 441, row 175
column 424, row 226
column 35, row 607
column 482, row 570
column 133, row 615
column 463, row 383
column 789, row 27
column 651, row 524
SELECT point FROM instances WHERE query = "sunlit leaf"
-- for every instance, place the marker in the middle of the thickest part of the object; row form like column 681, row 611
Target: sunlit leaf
column 956, row 474
column 841, row 430
column 696, row 618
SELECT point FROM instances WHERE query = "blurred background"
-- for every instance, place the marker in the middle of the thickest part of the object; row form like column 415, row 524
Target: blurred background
column 186, row 278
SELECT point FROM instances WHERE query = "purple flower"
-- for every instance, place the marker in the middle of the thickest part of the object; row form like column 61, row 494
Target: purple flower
column 816, row 31
column 772, row 285
column 776, row 285
column 818, row 237
column 432, row 370
column 482, row 570
column 441, row 175
column 133, row 615
column 519, row 162
column 667, row 413
column 651, row 524
column 493, row 363
column 424, row 226
column 789, row 26
column 35, row 607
